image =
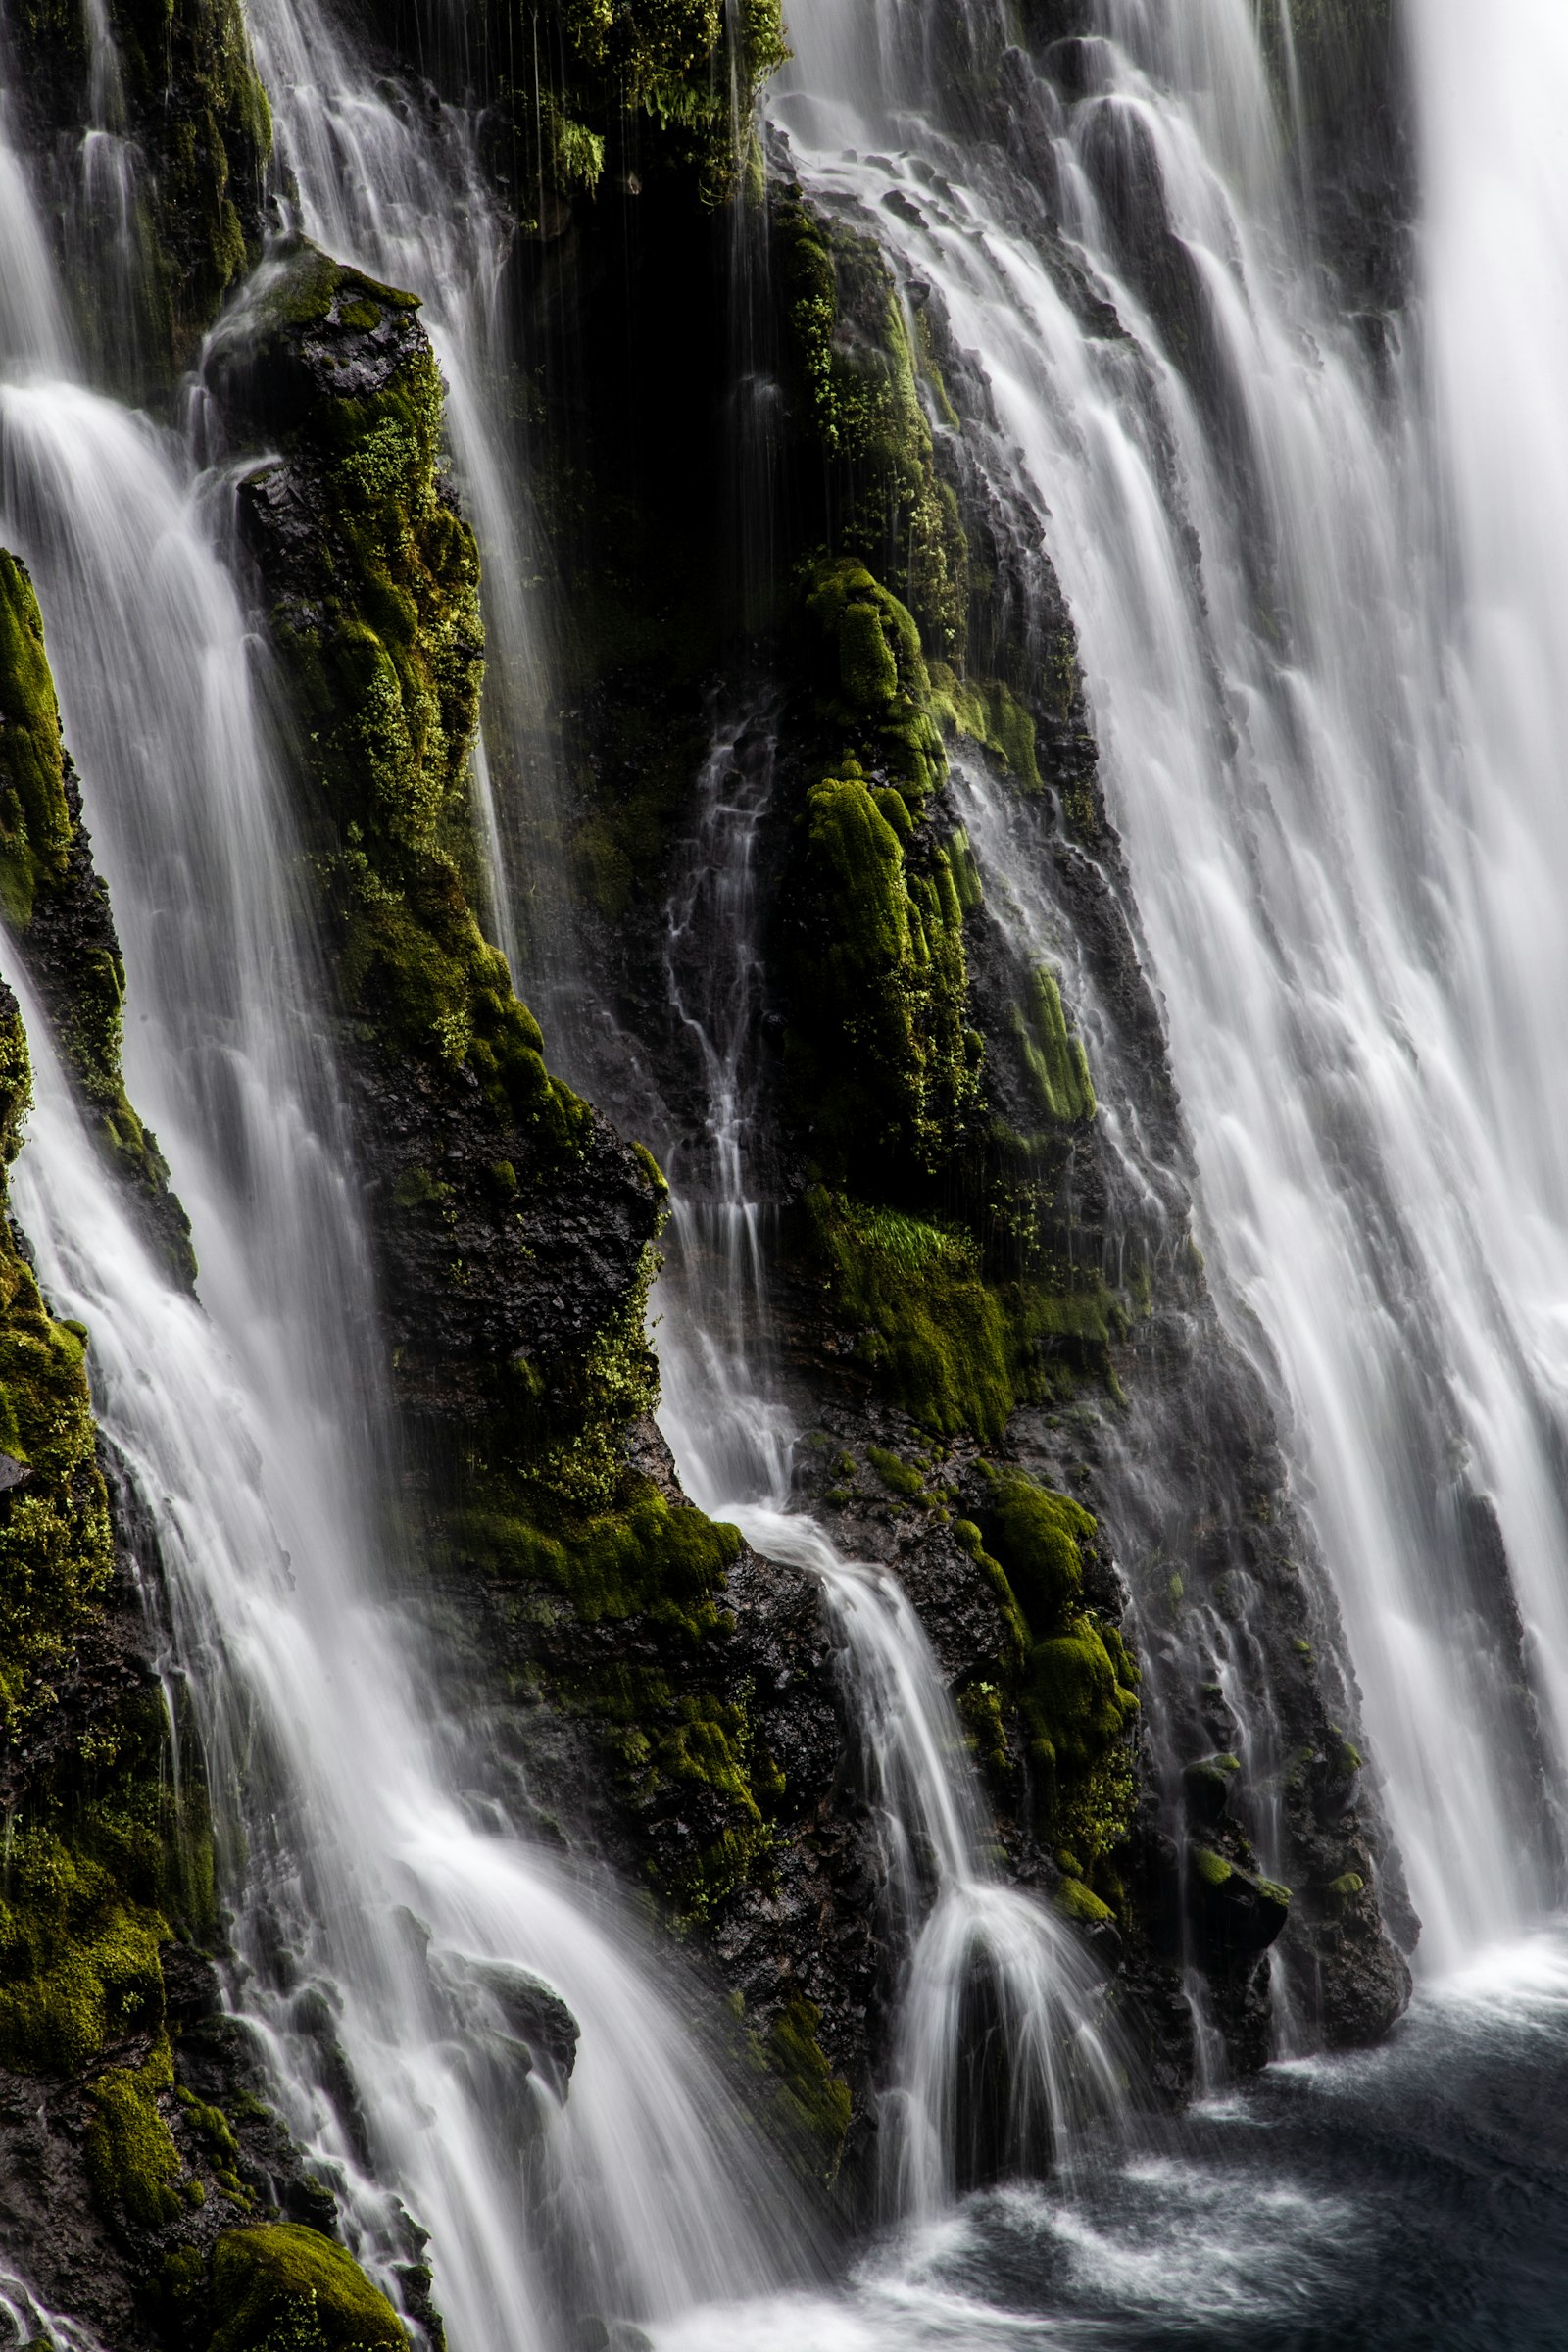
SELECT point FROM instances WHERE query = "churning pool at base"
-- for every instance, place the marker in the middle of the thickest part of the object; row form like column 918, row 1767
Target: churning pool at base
column 1410, row 2199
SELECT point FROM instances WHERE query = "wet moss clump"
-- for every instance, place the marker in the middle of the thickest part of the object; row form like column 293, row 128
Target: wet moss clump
column 1054, row 1059
column 990, row 713
column 101, row 1860
column 930, row 1333
column 858, row 362
column 873, row 683
column 880, row 1046
column 1074, row 1678
column 286, row 2285
column 649, row 1558
column 816, row 2099
column 56, row 910
column 133, row 2161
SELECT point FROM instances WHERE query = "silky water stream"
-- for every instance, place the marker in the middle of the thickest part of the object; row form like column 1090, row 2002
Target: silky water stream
column 392, row 180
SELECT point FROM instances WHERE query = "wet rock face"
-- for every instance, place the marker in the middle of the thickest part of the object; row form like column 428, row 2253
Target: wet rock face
column 164, row 105
column 510, row 1223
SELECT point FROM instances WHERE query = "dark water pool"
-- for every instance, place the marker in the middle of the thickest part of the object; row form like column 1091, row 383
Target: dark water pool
column 1411, row 2200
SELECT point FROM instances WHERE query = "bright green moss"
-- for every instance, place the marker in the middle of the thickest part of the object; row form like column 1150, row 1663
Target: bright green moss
column 1074, row 1698
column 288, row 2287
column 215, row 2128
column 645, row 1559
column 980, row 1710
column 1081, row 1903
column 1074, row 1676
column 872, row 674
column 133, row 2161
column 54, row 908
column 860, row 374
column 104, row 1854
column 932, row 1334
column 1036, row 1534
column 35, row 825
column 817, row 2099
column 896, row 1473
column 960, row 1319
column 79, row 1967
column 880, row 1054
column 1056, row 1059
column 990, row 713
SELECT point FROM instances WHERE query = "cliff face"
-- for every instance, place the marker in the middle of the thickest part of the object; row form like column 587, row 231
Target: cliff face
column 1011, row 1380
column 1001, row 1344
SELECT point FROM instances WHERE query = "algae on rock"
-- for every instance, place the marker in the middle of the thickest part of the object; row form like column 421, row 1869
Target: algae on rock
column 56, row 910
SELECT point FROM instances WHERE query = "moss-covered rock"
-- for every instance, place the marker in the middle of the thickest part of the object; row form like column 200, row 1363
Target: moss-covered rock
column 56, row 1553
column 132, row 2157
column 944, row 1148
column 56, row 910
column 817, row 2100
column 930, row 1333
column 286, row 2285
column 856, row 360
column 516, row 1234
column 1074, row 1676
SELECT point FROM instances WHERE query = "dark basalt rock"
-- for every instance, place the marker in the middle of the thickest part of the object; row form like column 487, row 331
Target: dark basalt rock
column 538, row 2017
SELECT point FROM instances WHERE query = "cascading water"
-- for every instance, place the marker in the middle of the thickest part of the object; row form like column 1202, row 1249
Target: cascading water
column 1253, row 553
column 386, row 1933
column 1002, row 2056
column 1316, row 606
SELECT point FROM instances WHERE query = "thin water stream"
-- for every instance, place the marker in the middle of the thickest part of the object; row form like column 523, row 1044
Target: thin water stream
column 1001, row 2023
column 394, row 181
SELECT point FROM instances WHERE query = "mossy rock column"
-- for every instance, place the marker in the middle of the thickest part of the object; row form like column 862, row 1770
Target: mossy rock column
column 515, row 1231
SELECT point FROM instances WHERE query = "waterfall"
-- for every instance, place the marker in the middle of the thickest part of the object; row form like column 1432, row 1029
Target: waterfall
column 1312, row 562
column 1004, row 2057
column 1254, row 529
column 250, row 1431
column 398, row 1944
